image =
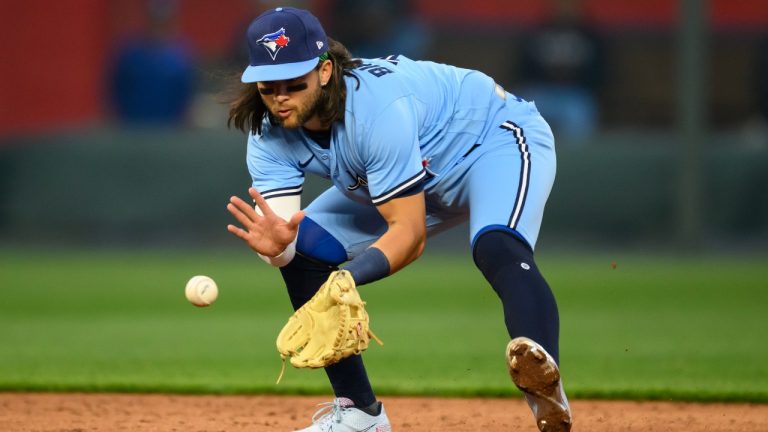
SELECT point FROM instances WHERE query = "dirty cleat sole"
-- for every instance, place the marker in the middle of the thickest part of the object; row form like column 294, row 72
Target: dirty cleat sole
column 536, row 374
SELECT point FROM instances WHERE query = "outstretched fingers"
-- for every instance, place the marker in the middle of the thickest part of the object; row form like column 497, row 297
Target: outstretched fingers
column 296, row 219
column 261, row 203
column 239, row 232
column 243, row 212
column 260, row 227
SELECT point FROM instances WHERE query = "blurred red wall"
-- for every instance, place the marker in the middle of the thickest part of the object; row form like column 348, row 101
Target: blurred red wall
column 51, row 69
column 725, row 14
column 54, row 53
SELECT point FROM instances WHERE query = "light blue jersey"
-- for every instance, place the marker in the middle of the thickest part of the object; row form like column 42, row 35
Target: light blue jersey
column 417, row 124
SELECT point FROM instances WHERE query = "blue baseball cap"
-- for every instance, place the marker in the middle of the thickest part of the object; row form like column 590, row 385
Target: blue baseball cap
column 283, row 43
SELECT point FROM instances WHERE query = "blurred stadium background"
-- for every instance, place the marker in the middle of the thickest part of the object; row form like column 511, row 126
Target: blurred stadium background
column 114, row 149
column 112, row 126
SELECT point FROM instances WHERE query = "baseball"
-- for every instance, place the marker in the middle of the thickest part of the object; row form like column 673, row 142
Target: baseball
column 201, row 291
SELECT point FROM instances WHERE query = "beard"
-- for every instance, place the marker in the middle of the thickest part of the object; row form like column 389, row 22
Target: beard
column 304, row 112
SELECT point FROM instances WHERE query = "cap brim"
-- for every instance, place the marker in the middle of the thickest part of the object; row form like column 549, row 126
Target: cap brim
column 278, row 72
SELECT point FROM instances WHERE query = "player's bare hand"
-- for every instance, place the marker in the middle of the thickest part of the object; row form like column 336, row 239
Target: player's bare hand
column 266, row 233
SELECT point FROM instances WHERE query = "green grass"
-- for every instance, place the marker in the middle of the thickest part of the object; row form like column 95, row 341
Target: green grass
column 658, row 327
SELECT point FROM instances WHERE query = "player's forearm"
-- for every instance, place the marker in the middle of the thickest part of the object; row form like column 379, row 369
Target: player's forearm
column 401, row 245
column 406, row 232
column 373, row 264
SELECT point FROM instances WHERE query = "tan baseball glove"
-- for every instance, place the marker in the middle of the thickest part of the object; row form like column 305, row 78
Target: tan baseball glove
column 331, row 326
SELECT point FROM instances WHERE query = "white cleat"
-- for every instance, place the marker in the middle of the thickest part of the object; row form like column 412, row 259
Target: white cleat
column 341, row 415
column 536, row 374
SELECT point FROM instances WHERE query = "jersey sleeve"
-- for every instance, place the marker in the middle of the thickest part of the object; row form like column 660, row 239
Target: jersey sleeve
column 391, row 154
column 273, row 172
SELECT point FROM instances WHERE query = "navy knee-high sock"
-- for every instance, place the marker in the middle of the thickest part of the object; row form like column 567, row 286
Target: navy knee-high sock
column 530, row 308
column 303, row 277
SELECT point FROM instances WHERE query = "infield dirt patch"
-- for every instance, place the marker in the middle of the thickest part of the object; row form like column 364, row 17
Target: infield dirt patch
column 75, row 412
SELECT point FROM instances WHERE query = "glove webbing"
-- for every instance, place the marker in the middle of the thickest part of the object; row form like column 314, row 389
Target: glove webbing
column 284, row 358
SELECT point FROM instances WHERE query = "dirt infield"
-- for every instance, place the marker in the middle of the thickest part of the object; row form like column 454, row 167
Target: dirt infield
column 68, row 412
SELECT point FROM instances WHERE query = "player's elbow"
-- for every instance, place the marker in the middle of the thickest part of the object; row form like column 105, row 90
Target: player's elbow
column 419, row 242
column 419, row 249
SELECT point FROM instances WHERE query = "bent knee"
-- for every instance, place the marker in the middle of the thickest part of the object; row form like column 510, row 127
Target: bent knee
column 317, row 243
column 493, row 247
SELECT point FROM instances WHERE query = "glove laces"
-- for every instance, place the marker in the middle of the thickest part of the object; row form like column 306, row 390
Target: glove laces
column 330, row 412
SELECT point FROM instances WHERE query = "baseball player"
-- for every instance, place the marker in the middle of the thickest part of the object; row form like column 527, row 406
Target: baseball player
column 412, row 148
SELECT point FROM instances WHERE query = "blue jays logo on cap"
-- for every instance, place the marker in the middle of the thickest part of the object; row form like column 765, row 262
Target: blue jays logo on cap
column 274, row 42
column 296, row 30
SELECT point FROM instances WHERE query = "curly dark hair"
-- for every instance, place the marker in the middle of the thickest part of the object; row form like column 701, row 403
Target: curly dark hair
column 247, row 110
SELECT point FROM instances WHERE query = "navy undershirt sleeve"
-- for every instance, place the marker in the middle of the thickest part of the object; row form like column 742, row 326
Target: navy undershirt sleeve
column 369, row 266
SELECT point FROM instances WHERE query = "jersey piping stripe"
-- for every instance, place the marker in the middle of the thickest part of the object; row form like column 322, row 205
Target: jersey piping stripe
column 274, row 193
column 525, row 172
column 381, row 199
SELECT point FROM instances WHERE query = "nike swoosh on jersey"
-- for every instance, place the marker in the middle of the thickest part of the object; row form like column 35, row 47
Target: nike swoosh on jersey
column 304, row 165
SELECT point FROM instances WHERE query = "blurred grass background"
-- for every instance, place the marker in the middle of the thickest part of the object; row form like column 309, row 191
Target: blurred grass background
column 653, row 327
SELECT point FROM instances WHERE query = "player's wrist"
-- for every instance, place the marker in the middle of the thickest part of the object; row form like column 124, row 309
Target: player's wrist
column 369, row 266
column 283, row 258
